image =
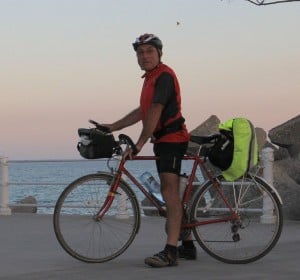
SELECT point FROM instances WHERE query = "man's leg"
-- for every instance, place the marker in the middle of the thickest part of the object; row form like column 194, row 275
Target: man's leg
column 170, row 192
column 168, row 167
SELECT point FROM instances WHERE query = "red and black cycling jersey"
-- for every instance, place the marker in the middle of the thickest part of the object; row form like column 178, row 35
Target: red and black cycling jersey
column 161, row 86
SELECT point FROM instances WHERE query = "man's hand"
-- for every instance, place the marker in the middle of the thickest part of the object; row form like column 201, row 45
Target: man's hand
column 110, row 127
column 129, row 152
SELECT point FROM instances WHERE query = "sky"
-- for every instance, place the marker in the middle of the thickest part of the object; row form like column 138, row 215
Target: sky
column 63, row 62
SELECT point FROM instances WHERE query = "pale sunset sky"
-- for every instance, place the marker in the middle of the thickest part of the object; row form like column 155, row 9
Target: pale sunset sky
column 63, row 62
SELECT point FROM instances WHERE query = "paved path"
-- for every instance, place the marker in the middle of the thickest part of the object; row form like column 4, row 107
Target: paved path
column 29, row 251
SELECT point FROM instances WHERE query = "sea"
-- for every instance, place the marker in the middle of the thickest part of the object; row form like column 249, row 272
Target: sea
column 46, row 179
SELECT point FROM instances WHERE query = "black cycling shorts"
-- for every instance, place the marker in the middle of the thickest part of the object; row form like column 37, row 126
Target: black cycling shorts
column 170, row 156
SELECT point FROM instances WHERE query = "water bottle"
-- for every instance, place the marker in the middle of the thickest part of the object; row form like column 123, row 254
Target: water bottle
column 183, row 180
column 152, row 185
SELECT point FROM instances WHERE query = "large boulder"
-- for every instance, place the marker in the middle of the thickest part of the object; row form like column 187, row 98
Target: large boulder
column 209, row 126
column 288, row 189
column 261, row 136
column 286, row 167
column 287, row 135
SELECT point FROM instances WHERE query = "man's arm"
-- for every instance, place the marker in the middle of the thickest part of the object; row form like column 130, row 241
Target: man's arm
column 130, row 119
column 149, row 125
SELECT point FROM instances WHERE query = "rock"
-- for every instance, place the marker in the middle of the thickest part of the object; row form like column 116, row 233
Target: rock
column 287, row 136
column 25, row 209
column 281, row 153
column 286, row 169
column 261, row 136
column 209, row 126
column 287, row 133
column 291, row 167
column 294, row 151
column 288, row 189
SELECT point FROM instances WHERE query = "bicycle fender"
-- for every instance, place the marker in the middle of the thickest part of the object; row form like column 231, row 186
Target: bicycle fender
column 276, row 193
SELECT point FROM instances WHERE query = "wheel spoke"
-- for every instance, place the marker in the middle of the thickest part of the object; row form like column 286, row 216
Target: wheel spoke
column 246, row 239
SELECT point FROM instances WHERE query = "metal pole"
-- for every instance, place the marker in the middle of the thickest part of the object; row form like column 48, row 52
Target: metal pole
column 267, row 160
column 4, row 191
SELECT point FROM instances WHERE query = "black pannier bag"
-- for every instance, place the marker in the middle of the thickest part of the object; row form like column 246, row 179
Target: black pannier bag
column 95, row 144
column 221, row 153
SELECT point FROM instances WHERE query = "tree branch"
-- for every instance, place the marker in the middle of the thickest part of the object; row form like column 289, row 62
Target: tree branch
column 262, row 2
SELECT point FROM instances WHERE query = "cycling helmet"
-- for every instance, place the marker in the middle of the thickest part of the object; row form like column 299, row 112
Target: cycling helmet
column 149, row 39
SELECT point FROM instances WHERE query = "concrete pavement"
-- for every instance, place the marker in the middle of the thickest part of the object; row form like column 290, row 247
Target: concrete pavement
column 29, row 251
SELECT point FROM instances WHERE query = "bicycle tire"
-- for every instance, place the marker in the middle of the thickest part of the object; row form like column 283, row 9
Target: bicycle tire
column 86, row 238
column 246, row 239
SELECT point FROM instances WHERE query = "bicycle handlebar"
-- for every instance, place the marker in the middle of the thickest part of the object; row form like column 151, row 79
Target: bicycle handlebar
column 127, row 140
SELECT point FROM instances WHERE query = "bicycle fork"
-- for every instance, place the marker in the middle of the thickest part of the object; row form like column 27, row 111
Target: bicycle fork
column 109, row 199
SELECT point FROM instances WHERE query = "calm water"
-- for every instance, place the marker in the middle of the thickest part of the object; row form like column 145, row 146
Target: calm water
column 36, row 175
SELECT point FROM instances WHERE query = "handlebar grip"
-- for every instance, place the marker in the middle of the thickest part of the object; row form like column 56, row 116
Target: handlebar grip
column 126, row 139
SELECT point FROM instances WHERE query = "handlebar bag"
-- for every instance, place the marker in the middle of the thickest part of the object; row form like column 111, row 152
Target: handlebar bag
column 95, row 144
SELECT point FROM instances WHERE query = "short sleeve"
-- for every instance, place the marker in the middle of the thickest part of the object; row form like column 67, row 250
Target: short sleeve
column 164, row 88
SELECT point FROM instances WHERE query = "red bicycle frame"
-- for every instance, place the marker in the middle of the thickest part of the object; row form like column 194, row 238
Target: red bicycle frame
column 198, row 162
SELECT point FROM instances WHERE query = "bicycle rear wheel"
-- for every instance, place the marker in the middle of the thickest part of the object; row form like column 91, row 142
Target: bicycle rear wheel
column 79, row 232
column 243, row 240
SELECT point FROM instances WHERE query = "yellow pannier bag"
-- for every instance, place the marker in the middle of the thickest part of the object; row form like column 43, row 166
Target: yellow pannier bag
column 245, row 149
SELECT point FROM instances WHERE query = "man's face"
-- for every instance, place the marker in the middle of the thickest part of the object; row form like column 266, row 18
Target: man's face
column 148, row 57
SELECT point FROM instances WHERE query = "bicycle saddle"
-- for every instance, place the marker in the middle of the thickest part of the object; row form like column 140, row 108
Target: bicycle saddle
column 204, row 139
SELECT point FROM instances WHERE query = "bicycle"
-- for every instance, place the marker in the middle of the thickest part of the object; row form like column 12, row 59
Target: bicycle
column 97, row 216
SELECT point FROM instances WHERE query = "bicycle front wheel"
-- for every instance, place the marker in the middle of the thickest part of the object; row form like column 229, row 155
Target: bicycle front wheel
column 79, row 232
column 244, row 239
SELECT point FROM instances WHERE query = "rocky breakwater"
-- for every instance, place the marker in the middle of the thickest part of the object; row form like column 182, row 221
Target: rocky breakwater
column 286, row 169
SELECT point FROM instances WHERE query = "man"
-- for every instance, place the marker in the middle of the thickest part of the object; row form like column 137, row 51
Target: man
column 160, row 113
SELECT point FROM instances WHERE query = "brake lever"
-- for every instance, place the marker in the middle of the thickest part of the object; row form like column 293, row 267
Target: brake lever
column 128, row 141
